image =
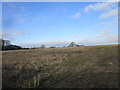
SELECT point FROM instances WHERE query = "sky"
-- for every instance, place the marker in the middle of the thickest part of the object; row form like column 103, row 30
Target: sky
column 32, row 24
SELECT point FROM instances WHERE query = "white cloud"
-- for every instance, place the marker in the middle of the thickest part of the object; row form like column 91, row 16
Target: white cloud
column 1, row 33
column 104, row 34
column 108, row 36
column 104, row 37
column 49, row 43
column 108, row 9
column 11, row 35
column 75, row 35
column 77, row 15
column 113, row 12
column 98, row 6
column 113, row 0
column 106, row 23
column 21, row 18
column 21, row 32
column 6, row 35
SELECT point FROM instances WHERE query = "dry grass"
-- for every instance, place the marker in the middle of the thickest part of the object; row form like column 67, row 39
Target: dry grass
column 68, row 67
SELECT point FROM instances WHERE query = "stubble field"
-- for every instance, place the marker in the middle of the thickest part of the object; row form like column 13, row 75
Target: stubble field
column 67, row 67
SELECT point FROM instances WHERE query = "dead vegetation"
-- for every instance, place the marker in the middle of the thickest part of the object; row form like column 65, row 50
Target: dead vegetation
column 68, row 67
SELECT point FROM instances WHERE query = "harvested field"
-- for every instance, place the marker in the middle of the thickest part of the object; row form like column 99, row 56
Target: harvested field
column 66, row 67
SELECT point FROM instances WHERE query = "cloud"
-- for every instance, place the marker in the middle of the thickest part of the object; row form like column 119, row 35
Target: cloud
column 104, row 37
column 21, row 17
column 113, row 12
column 98, row 6
column 113, row 1
column 106, row 23
column 11, row 35
column 77, row 15
column 108, row 36
column 7, row 35
column 109, row 9
column 1, row 33
column 104, row 34
column 49, row 43
column 21, row 32
column 75, row 35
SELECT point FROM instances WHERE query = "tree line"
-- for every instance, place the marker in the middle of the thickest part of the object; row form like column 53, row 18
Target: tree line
column 6, row 45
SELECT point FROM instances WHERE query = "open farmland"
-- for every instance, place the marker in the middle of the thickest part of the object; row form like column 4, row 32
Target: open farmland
column 67, row 67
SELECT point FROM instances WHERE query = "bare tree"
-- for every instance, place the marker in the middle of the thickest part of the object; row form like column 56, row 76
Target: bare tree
column 7, row 42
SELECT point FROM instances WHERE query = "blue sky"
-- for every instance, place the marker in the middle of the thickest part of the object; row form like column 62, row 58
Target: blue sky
column 32, row 24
